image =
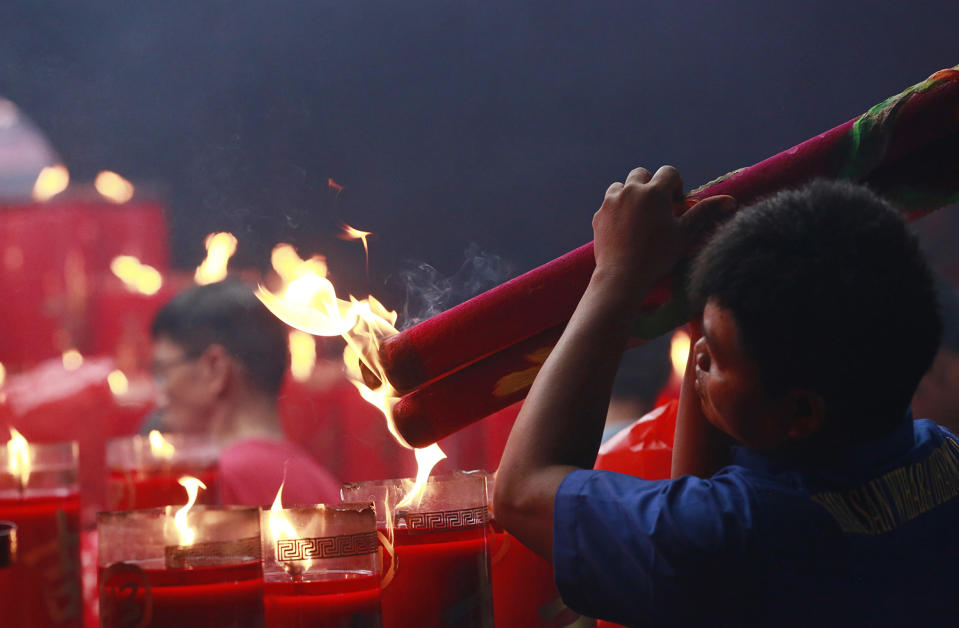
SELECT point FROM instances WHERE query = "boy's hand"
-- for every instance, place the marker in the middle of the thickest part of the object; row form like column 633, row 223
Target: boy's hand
column 643, row 228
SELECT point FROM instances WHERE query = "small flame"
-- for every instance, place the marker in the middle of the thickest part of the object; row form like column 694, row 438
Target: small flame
column 161, row 447
column 426, row 459
column 3, row 373
column 302, row 355
column 350, row 233
column 192, row 486
column 308, row 302
column 18, row 457
column 118, row 382
column 281, row 529
column 220, row 247
column 679, row 351
column 113, row 187
column 51, row 181
column 72, row 359
column 137, row 277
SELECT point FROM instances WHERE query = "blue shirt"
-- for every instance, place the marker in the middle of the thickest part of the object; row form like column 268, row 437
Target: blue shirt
column 874, row 541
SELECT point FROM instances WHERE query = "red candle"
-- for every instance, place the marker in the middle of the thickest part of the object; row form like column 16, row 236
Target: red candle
column 144, row 593
column 524, row 594
column 352, row 602
column 8, row 557
column 148, row 488
column 38, row 493
column 47, row 573
column 441, row 565
column 180, row 566
column 144, row 471
column 442, row 579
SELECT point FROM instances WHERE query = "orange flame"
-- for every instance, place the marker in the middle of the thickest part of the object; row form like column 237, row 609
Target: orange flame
column 302, row 355
column 350, row 233
column 137, row 277
column 679, row 351
column 113, row 187
column 51, row 181
column 282, row 529
column 192, row 486
column 3, row 374
column 72, row 359
column 18, row 457
column 426, row 459
column 220, row 247
column 308, row 302
column 161, row 447
column 118, row 383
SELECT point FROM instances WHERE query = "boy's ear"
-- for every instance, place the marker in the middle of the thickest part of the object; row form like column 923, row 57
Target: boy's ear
column 806, row 412
column 218, row 367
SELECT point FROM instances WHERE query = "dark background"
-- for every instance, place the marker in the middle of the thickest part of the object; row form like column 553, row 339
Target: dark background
column 453, row 125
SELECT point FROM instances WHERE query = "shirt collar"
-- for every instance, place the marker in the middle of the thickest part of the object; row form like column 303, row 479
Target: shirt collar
column 865, row 457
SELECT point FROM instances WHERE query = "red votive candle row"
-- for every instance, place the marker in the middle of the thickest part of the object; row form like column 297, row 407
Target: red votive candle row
column 425, row 563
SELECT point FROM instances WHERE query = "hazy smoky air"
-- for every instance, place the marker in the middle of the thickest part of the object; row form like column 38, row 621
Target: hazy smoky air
column 428, row 292
column 444, row 122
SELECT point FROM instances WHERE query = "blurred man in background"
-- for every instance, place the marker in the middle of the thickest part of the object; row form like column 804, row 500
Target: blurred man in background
column 219, row 358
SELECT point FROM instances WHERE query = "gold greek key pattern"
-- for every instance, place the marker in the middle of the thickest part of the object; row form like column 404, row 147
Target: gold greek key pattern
column 446, row 519
column 326, row 546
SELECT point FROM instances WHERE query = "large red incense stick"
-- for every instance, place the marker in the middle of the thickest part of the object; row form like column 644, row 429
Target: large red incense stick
column 486, row 351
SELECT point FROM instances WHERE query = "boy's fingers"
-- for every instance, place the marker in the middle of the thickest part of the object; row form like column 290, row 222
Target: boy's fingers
column 668, row 177
column 638, row 175
column 700, row 220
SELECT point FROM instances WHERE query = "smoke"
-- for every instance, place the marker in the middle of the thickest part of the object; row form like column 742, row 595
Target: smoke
column 426, row 292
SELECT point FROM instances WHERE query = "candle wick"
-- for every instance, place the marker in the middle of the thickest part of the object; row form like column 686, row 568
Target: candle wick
column 294, row 570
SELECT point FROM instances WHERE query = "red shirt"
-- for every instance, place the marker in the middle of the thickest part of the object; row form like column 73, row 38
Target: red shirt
column 251, row 471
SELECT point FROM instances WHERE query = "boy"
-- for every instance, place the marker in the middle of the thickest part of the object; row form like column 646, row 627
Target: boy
column 818, row 318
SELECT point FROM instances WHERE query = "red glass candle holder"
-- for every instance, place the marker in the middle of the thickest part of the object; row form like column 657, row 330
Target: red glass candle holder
column 151, row 575
column 140, row 475
column 321, row 566
column 8, row 558
column 45, row 506
column 440, row 540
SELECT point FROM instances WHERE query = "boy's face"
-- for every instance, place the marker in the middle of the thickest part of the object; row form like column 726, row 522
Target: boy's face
column 729, row 388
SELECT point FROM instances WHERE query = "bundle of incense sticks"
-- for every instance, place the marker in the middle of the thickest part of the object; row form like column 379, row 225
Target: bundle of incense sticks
column 482, row 355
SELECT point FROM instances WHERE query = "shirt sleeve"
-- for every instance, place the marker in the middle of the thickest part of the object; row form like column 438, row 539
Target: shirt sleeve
column 641, row 552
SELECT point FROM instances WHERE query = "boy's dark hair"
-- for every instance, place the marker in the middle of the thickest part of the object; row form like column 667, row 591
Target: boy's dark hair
column 228, row 314
column 830, row 292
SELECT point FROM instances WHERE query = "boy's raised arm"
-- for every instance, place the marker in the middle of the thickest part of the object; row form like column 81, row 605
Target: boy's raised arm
column 638, row 238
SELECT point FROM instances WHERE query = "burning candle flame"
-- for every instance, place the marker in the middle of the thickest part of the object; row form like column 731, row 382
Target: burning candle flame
column 162, row 448
column 679, row 351
column 192, row 486
column 51, row 181
column 3, row 374
column 72, row 359
column 308, row 302
column 118, row 383
column 18, row 457
column 113, row 187
column 302, row 355
column 220, row 247
column 282, row 529
column 137, row 277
